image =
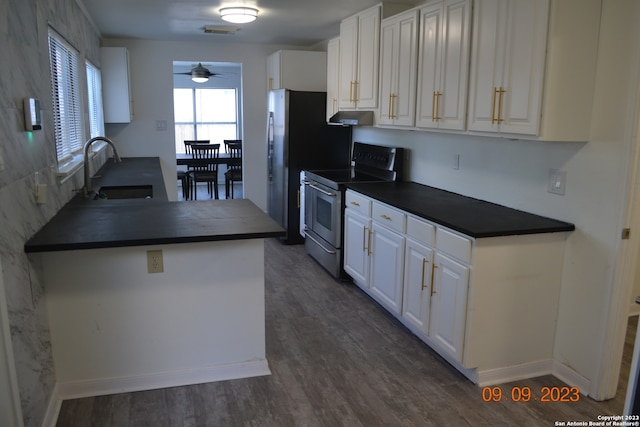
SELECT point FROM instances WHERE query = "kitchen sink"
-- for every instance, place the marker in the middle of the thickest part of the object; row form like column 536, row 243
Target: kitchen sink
column 125, row 192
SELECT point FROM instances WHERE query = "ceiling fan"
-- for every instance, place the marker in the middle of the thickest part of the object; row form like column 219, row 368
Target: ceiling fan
column 200, row 74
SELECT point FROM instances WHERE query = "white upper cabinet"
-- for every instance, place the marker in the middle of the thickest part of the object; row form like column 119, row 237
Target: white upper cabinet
column 359, row 53
column 507, row 65
column 398, row 67
column 333, row 76
column 116, row 85
column 443, row 66
column 297, row 70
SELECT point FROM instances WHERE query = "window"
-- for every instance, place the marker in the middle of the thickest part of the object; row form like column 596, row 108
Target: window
column 205, row 114
column 67, row 116
column 94, row 92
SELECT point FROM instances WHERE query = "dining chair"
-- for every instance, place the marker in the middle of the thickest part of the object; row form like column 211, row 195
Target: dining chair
column 207, row 171
column 183, row 175
column 230, row 141
column 234, row 166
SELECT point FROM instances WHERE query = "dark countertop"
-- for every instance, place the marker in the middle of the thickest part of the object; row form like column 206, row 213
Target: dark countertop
column 87, row 224
column 473, row 217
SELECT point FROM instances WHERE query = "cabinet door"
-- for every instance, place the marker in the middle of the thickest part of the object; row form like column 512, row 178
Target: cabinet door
column 507, row 65
column 452, row 101
column 357, row 230
column 388, row 70
column 333, row 76
column 116, row 85
column 429, row 65
column 404, row 103
column 523, row 70
column 387, row 264
column 487, row 57
column 449, row 305
column 348, row 61
column 368, row 52
column 444, row 65
column 273, row 71
column 417, row 285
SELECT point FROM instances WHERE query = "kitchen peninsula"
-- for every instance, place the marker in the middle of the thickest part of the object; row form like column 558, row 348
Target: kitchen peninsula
column 146, row 293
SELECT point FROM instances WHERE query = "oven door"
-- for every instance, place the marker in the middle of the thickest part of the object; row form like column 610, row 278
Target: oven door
column 323, row 207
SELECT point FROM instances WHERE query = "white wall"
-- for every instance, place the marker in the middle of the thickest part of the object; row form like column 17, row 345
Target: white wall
column 152, row 87
column 514, row 173
column 25, row 73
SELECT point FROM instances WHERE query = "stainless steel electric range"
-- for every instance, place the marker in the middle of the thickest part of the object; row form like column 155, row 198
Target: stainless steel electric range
column 323, row 195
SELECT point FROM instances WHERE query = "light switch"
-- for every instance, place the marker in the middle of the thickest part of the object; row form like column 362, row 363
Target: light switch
column 557, row 181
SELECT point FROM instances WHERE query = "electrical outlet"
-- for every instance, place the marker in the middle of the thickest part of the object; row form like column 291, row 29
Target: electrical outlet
column 557, row 181
column 154, row 262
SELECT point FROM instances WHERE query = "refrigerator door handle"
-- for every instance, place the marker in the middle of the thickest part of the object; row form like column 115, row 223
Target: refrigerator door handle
column 270, row 146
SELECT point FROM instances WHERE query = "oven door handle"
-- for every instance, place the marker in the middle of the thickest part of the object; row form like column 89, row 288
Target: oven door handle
column 318, row 243
column 326, row 193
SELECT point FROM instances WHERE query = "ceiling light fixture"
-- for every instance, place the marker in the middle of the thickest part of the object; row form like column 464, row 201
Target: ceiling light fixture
column 199, row 74
column 239, row 15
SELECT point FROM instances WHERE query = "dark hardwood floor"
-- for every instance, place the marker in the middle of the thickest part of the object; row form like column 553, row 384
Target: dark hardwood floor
column 337, row 359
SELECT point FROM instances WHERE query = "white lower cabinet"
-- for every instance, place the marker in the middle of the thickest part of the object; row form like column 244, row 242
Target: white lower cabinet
column 449, row 305
column 386, row 270
column 435, row 285
column 418, row 264
column 356, row 246
column 485, row 305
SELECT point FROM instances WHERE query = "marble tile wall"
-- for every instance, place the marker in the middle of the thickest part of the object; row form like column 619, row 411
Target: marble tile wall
column 25, row 73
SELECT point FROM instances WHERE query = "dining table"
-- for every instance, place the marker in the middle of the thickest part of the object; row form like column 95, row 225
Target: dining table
column 186, row 159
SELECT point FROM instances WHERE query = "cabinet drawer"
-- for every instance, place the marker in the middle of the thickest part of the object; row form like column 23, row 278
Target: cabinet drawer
column 453, row 244
column 421, row 231
column 358, row 203
column 388, row 216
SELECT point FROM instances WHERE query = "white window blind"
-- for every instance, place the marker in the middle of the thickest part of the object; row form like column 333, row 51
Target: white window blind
column 94, row 91
column 65, row 88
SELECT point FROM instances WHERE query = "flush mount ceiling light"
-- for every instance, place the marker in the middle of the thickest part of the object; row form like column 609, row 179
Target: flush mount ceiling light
column 239, row 15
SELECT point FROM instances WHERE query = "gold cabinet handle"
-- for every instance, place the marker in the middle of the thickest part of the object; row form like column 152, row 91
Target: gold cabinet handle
column 501, row 91
column 497, row 93
column 493, row 105
column 351, row 91
column 424, row 263
column 355, row 91
column 392, row 106
column 433, row 282
column 270, row 83
column 355, row 203
column 385, row 217
column 435, row 106
column 369, row 243
column 334, row 105
column 364, row 238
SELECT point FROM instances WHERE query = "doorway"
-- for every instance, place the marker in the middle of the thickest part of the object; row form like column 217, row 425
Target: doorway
column 207, row 99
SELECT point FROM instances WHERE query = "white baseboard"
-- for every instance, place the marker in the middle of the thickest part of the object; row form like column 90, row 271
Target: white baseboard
column 53, row 409
column 79, row 389
column 531, row 370
column 514, row 373
column 571, row 377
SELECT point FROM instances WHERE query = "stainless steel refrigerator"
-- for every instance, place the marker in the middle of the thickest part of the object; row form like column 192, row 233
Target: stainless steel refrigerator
column 299, row 138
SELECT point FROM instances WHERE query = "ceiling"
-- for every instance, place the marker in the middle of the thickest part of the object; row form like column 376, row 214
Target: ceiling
column 286, row 22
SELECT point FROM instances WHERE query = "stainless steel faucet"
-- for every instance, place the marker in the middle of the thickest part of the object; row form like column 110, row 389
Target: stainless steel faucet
column 86, row 190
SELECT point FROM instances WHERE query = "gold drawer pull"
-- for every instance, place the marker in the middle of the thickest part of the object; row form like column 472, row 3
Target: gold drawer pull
column 355, row 203
column 385, row 217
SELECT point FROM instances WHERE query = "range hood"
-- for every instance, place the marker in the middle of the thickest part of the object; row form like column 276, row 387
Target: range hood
column 352, row 118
